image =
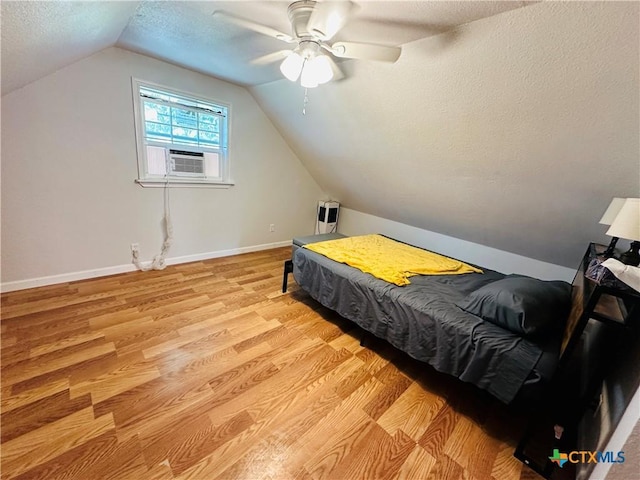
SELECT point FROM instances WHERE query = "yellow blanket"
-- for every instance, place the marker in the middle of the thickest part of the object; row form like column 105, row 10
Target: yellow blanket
column 387, row 259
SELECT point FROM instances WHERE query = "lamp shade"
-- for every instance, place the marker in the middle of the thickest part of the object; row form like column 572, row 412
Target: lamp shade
column 612, row 210
column 321, row 67
column 316, row 70
column 626, row 224
column 292, row 66
column 307, row 78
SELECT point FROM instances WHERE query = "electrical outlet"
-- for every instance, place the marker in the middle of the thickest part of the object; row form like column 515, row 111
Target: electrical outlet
column 272, row 227
column 135, row 247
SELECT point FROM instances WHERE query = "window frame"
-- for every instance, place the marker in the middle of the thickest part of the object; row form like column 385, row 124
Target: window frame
column 149, row 180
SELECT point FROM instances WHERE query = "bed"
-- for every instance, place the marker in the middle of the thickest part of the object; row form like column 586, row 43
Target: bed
column 445, row 320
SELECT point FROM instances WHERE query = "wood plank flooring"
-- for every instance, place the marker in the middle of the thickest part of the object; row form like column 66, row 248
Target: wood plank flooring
column 207, row 371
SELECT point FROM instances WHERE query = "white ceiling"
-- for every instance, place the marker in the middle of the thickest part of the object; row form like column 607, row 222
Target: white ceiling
column 514, row 131
column 40, row 37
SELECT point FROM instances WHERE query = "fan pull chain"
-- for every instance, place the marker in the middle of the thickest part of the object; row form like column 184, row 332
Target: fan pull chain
column 304, row 103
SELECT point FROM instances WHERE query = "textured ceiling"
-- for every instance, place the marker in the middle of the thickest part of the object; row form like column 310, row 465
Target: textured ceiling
column 41, row 37
column 514, row 131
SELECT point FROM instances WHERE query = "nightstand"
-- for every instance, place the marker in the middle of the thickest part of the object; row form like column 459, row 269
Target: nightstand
column 579, row 373
column 613, row 303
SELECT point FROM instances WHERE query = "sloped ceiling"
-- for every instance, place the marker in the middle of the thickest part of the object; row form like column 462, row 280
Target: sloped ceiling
column 39, row 38
column 513, row 131
column 42, row 36
column 510, row 127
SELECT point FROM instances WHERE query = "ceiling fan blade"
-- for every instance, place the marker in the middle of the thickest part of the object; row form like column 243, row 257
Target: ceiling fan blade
column 327, row 17
column 251, row 25
column 366, row 51
column 337, row 71
column 271, row 57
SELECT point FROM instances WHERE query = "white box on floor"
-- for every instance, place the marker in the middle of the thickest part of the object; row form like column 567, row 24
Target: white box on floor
column 327, row 219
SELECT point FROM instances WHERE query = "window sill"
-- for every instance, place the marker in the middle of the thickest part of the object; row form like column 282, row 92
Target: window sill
column 174, row 182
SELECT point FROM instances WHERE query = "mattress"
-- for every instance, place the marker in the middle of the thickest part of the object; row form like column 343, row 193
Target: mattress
column 422, row 320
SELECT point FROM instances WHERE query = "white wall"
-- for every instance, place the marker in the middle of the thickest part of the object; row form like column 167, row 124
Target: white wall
column 352, row 222
column 69, row 201
column 626, row 438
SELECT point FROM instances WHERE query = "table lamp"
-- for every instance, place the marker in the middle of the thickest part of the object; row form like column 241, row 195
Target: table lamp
column 626, row 224
column 607, row 219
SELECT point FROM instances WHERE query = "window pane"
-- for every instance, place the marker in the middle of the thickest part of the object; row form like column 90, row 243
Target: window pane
column 185, row 135
column 150, row 113
column 209, row 127
column 185, row 132
column 184, row 118
column 210, row 138
column 157, row 129
column 153, row 111
column 204, row 118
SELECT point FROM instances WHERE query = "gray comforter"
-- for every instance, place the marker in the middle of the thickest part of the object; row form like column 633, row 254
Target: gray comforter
column 422, row 320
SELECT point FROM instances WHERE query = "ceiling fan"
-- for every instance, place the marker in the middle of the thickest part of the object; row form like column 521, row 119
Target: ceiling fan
column 313, row 24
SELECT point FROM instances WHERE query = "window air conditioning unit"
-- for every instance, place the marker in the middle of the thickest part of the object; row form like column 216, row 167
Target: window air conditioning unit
column 327, row 221
column 185, row 163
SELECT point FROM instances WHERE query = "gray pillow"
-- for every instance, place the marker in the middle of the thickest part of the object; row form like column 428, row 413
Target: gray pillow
column 523, row 305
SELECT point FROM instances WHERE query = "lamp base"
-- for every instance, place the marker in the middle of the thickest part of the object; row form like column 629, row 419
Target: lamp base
column 632, row 256
column 610, row 249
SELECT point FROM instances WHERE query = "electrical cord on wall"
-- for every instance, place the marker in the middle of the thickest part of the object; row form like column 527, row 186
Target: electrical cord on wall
column 158, row 262
column 317, row 219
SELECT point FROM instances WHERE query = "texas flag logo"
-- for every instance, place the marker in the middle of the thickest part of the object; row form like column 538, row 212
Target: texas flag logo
column 559, row 458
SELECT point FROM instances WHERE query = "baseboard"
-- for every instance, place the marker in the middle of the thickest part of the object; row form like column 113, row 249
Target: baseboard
column 103, row 272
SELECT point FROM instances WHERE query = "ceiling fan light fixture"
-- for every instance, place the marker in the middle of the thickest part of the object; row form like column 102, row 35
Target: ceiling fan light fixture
column 316, row 70
column 313, row 24
column 307, row 78
column 322, row 69
column 291, row 67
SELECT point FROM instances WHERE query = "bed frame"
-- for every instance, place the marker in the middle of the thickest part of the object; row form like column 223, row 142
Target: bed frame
column 520, row 363
column 567, row 340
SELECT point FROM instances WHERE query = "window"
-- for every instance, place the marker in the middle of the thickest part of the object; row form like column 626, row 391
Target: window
column 181, row 139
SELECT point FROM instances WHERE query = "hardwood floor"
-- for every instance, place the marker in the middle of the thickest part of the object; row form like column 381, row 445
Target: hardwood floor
column 207, row 371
